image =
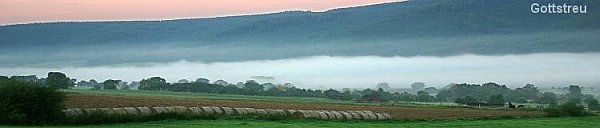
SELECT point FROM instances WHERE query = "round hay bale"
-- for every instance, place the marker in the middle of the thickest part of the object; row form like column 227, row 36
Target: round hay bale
column 261, row 112
column 251, row 110
column 78, row 111
column 379, row 116
column 364, row 115
column 367, row 111
column 371, row 116
column 119, row 111
column 160, row 110
column 145, row 111
column 91, row 111
column 302, row 114
column 106, row 111
column 217, row 110
column 271, row 111
column 322, row 115
column 171, row 109
column 182, row 109
column 281, row 113
column 315, row 114
column 338, row 115
column 329, row 114
column 208, row 110
column 355, row 115
column 228, row 110
column 290, row 112
column 387, row 116
column 347, row 115
column 240, row 111
column 132, row 111
column 70, row 113
column 196, row 110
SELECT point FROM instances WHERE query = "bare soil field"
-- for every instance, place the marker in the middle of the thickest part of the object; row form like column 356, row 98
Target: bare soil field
column 75, row 100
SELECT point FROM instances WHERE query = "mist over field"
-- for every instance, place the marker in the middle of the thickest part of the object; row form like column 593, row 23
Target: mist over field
column 547, row 69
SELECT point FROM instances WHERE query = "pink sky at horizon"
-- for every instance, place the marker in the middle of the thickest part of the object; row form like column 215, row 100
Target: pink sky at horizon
column 32, row 11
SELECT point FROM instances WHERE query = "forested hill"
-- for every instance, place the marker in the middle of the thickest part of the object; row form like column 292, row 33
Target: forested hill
column 415, row 27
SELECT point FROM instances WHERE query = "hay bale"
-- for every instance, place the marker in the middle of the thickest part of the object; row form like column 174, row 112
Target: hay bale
column 271, row 111
column 228, row 111
column 338, row 115
column 371, row 116
column 281, row 112
column 160, row 110
column 329, row 114
column 355, row 115
column 217, row 110
column 315, row 114
column 322, row 115
column 261, row 112
column 290, row 112
column 387, row 116
column 132, row 111
column 379, row 116
column 364, row 115
column 251, row 110
column 70, row 113
column 208, row 110
column 106, row 111
column 240, row 111
column 302, row 114
column 181, row 109
column 367, row 111
column 119, row 111
column 196, row 110
column 347, row 115
column 145, row 111
column 78, row 111
column 171, row 109
column 91, row 111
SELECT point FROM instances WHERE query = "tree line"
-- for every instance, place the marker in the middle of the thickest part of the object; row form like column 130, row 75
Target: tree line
column 468, row 94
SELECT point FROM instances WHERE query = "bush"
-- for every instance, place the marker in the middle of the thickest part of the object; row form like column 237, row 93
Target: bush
column 29, row 103
column 566, row 109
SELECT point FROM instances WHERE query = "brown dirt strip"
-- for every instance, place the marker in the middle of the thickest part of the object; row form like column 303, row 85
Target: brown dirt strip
column 400, row 113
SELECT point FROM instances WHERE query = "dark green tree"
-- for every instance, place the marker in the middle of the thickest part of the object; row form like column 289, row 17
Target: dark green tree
column 496, row 100
column 423, row 96
column 23, row 102
column 110, row 84
column 58, row 80
column 154, row 83
column 547, row 98
column 575, row 94
column 591, row 103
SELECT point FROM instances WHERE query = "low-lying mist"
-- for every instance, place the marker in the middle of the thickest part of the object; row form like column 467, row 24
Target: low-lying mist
column 548, row 69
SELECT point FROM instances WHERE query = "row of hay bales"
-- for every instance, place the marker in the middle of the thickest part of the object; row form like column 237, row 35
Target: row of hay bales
column 228, row 111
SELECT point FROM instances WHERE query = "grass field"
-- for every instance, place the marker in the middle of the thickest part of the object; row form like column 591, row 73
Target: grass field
column 102, row 98
column 567, row 122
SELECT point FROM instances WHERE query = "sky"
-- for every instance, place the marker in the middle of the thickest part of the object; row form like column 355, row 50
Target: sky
column 28, row 11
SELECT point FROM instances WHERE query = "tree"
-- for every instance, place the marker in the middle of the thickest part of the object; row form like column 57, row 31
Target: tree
column 252, row 87
column 110, row 84
column 417, row 86
column 336, row 95
column 58, row 80
column 153, row 83
column 591, row 103
column 575, row 94
column 528, row 92
column 383, row 85
column 547, row 98
column 29, row 102
column 423, row 96
column 496, row 100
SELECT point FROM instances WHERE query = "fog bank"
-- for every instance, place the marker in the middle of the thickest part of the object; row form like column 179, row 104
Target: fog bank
column 556, row 69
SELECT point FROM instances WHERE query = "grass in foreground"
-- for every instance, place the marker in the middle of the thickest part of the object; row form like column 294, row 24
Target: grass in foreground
column 566, row 122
